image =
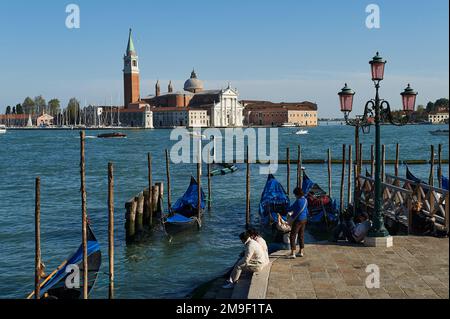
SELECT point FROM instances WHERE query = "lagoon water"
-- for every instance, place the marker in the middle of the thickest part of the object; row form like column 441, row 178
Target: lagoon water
column 156, row 268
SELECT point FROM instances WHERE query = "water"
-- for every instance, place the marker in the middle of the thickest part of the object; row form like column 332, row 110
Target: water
column 157, row 268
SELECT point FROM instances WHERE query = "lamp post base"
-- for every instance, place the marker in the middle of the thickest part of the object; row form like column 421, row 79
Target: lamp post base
column 385, row 242
column 379, row 233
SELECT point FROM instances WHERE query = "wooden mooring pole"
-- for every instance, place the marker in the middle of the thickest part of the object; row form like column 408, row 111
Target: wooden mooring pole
column 247, row 192
column 209, row 182
column 150, row 189
column 84, row 215
column 329, row 174
column 288, row 170
column 350, row 175
column 440, row 165
column 431, row 178
column 383, row 163
column 342, row 179
column 37, row 225
column 199, row 191
column 169, row 196
column 299, row 167
column 111, row 228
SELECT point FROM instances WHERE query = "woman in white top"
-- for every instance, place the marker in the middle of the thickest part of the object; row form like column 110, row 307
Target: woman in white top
column 258, row 238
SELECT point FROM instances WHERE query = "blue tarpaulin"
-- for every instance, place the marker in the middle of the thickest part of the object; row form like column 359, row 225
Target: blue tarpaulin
column 445, row 182
column 188, row 204
column 274, row 200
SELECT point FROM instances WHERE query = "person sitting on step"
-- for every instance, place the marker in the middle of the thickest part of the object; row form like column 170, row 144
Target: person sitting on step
column 351, row 231
column 255, row 259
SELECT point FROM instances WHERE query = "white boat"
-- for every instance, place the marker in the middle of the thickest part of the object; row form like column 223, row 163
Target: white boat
column 288, row 125
column 302, row 132
column 2, row 129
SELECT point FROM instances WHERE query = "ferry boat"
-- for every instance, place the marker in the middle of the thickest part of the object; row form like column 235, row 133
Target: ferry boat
column 2, row 129
column 288, row 125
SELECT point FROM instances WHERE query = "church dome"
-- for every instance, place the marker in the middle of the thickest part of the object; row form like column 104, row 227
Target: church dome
column 193, row 85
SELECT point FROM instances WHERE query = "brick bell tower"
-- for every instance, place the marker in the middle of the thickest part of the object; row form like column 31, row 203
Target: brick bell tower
column 131, row 74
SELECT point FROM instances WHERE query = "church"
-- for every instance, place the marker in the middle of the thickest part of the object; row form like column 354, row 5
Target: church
column 193, row 106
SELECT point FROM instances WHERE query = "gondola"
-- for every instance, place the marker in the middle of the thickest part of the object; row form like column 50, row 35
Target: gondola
column 322, row 209
column 224, row 169
column 54, row 286
column 410, row 176
column 274, row 201
column 184, row 214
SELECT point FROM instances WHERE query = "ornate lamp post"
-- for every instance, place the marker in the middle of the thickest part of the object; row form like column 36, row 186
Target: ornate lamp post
column 381, row 111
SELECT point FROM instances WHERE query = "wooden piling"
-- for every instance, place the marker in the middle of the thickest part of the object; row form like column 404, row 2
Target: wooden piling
column 169, row 196
column 150, row 189
column 350, row 175
column 111, row 228
column 440, row 165
column 329, row 173
column 209, row 182
column 383, row 163
column 84, row 214
column 431, row 178
column 299, row 166
column 397, row 159
column 155, row 197
column 342, row 178
column 372, row 160
column 199, row 192
column 37, row 225
column 288, row 171
column 247, row 192
column 130, row 223
column 139, row 212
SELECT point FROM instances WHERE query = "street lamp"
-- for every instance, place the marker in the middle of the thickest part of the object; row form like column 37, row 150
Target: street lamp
column 380, row 110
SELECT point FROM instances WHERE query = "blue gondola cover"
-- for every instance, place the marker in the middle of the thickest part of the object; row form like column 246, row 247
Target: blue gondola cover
column 274, row 200
column 188, row 204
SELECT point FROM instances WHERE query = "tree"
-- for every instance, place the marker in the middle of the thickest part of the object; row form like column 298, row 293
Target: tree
column 54, row 106
column 40, row 104
column 441, row 103
column 28, row 106
column 14, row 110
column 8, row 110
column 73, row 108
column 430, row 107
column 19, row 109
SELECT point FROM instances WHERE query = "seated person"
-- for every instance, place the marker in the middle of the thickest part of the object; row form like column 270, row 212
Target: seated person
column 258, row 238
column 354, row 233
column 254, row 260
column 421, row 224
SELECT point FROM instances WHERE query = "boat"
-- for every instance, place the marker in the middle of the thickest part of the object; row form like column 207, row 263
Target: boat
column 410, row 176
column 444, row 182
column 224, row 169
column 288, row 125
column 323, row 210
column 274, row 201
column 54, row 285
column 184, row 214
column 302, row 132
column 112, row 135
column 439, row 133
column 2, row 129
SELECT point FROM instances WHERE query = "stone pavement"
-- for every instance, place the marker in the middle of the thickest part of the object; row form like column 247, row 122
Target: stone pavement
column 416, row 267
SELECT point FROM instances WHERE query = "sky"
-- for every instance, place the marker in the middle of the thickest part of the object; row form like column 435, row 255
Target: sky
column 283, row 51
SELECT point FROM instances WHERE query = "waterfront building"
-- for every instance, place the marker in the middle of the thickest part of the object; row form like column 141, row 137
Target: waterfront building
column 439, row 117
column 170, row 117
column 222, row 105
column 14, row 120
column 44, row 120
column 265, row 113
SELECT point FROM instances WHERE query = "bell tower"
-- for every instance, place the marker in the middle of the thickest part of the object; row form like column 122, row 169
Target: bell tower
column 131, row 74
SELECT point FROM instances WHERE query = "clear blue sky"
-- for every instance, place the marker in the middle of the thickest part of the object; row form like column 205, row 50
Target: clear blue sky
column 287, row 50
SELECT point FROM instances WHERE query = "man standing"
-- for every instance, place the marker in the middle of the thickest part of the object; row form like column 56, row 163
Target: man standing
column 254, row 260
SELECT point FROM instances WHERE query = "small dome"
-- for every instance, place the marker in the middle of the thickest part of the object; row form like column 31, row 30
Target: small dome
column 193, row 85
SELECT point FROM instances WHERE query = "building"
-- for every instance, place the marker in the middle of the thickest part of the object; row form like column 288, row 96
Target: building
column 438, row 117
column 170, row 117
column 222, row 105
column 14, row 120
column 44, row 120
column 265, row 113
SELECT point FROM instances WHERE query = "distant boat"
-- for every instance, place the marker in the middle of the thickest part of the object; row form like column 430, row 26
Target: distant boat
column 302, row 132
column 112, row 135
column 2, row 129
column 288, row 125
column 439, row 133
